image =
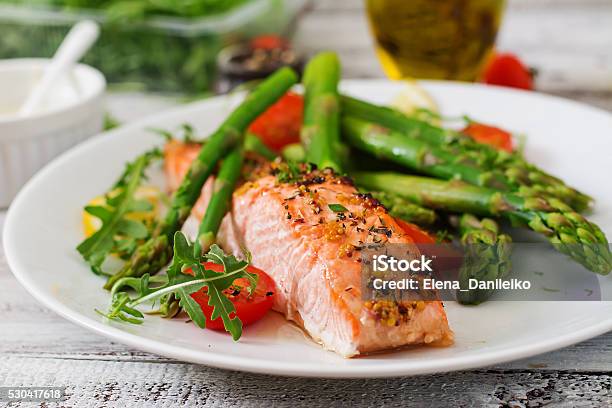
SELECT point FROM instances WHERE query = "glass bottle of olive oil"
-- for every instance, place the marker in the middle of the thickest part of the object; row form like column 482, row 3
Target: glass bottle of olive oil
column 438, row 39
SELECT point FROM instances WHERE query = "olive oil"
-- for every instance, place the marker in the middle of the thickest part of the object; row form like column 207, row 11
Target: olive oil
column 438, row 39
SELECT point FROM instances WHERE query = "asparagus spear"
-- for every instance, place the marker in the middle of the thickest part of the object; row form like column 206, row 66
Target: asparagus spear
column 320, row 132
column 568, row 231
column 527, row 179
column 486, row 255
column 416, row 154
column 220, row 201
column 401, row 208
column 294, row 153
column 156, row 252
column 252, row 143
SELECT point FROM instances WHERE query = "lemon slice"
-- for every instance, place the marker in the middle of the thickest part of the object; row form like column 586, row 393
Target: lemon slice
column 151, row 194
column 413, row 98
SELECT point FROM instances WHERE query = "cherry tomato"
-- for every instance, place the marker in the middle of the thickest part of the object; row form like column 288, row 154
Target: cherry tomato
column 445, row 258
column 508, row 70
column 490, row 135
column 269, row 42
column 249, row 308
column 280, row 124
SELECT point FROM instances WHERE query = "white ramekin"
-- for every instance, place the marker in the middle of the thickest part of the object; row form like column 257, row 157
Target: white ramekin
column 27, row 144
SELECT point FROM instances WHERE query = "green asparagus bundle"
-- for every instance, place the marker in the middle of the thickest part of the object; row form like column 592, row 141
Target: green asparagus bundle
column 525, row 178
column 156, row 252
column 417, row 155
column 320, row 132
column 486, row 255
column 486, row 251
column 320, row 150
column 568, row 231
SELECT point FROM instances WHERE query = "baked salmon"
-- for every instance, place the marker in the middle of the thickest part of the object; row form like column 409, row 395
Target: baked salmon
column 312, row 253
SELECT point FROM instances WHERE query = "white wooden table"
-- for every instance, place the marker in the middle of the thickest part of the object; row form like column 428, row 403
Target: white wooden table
column 569, row 41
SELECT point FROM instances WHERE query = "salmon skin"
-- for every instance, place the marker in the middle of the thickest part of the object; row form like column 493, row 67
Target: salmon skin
column 312, row 253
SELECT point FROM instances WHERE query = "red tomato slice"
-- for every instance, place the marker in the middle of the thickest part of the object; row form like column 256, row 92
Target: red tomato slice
column 280, row 124
column 249, row 309
column 490, row 135
column 508, row 70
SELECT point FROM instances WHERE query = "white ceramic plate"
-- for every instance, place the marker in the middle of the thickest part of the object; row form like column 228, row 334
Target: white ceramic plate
column 43, row 227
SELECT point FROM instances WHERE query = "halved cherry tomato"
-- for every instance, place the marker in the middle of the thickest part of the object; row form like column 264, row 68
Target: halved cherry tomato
column 507, row 70
column 280, row 124
column 490, row 135
column 269, row 42
column 249, row 308
column 445, row 258
column 418, row 235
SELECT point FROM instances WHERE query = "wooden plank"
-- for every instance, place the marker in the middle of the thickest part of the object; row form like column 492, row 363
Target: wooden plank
column 106, row 383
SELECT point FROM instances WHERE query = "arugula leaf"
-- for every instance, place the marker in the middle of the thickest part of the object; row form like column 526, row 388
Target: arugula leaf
column 119, row 234
column 222, row 307
column 182, row 285
column 231, row 266
column 148, row 157
column 141, row 285
column 184, row 258
column 337, row 208
column 120, row 310
column 187, row 134
column 191, row 307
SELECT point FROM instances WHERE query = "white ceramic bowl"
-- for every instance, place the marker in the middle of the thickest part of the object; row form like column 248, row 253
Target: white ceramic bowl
column 72, row 112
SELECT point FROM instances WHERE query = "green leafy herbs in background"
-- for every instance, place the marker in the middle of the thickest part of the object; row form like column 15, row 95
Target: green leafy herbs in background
column 132, row 54
column 119, row 233
column 133, row 10
column 183, row 285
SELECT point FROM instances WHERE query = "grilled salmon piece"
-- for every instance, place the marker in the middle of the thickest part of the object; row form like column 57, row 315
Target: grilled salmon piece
column 312, row 253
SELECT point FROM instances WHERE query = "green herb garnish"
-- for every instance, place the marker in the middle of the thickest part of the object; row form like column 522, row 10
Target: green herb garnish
column 119, row 234
column 182, row 285
column 131, row 51
column 289, row 172
column 186, row 134
column 337, row 208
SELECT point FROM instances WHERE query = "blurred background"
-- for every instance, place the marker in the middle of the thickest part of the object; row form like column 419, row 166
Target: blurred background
column 200, row 47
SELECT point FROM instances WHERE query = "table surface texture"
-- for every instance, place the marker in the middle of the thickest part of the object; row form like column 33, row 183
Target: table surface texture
column 568, row 41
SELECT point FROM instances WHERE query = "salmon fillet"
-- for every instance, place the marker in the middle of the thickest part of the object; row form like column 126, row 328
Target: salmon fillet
column 312, row 253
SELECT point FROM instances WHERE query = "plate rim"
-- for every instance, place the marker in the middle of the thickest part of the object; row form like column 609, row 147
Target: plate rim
column 262, row 366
